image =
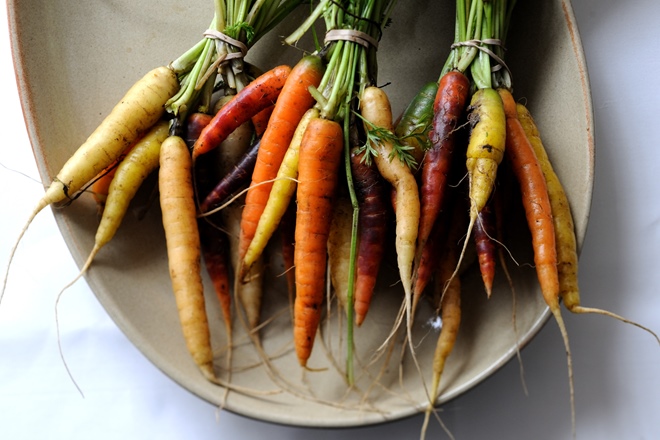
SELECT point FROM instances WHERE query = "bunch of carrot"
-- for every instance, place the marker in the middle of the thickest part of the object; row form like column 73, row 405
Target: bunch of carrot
column 313, row 151
column 144, row 132
column 475, row 91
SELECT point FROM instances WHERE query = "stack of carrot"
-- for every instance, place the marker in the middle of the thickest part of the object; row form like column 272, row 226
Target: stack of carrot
column 312, row 151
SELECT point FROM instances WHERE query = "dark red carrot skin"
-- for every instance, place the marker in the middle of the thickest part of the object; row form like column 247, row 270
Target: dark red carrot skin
column 287, row 233
column 485, row 230
column 373, row 200
column 214, row 244
column 238, row 177
column 430, row 253
column 448, row 111
column 215, row 247
column 255, row 97
column 194, row 126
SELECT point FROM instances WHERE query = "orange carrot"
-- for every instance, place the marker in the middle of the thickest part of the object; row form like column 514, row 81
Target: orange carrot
column 291, row 105
column 567, row 258
column 538, row 211
column 318, row 165
column 102, row 183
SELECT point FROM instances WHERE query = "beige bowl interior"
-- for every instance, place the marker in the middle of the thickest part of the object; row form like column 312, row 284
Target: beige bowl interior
column 74, row 60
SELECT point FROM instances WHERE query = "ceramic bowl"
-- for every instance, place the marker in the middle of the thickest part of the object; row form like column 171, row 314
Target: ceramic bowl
column 74, row 60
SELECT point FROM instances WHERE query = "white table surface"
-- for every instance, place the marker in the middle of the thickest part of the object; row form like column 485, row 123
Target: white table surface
column 617, row 366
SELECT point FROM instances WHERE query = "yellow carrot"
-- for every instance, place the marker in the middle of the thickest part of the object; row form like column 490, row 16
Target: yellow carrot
column 139, row 162
column 140, row 108
column 183, row 249
column 376, row 110
column 566, row 242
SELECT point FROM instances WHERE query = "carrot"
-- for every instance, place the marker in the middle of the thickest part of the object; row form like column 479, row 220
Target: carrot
column 484, row 238
column 233, row 180
column 213, row 240
column 448, row 111
column 232, row 162
column 415, row 121
column 318, row 165
column 431, row 252
column 183, row 249
column 138, row 164
column 538, row 211
column 214, row 248
column 139, row 109
column 280, row 194
column 256, row 96
column 248, row 290
column 485, row 148
column 291, row 105
column 339, row 249
column 567, row 258
column 287, row 239
column 102, row 182
column 195, row 123
column 449, row 306
column 372, row 227
column 485, row 152
column 536, row 201
column 134, row 115
column 376, row 111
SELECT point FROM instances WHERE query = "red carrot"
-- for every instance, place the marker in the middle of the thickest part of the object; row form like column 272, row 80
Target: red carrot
column 484, row 238
column 449, row 108
column 256, row 96
column 372, row 226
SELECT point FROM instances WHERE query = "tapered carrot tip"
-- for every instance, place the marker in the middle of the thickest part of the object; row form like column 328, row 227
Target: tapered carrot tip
column 488, row 284
column 207, row 371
